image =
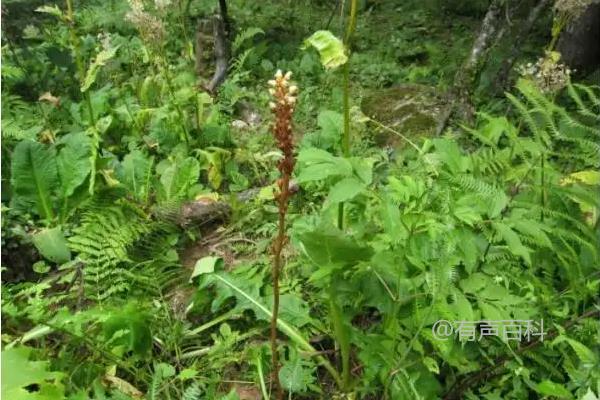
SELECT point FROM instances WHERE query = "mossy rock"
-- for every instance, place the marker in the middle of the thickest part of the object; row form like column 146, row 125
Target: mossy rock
column 412, row 110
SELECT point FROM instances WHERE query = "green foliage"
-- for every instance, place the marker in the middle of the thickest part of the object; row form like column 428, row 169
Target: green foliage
column 19, row 373
column 330, row 48
column 51, row 244
column 34, row 176
column 109, row 141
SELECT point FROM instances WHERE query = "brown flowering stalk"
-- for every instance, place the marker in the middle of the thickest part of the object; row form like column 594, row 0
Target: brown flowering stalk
column 283, row 105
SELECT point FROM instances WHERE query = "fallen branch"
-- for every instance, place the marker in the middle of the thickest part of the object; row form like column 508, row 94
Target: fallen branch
column 203, row 211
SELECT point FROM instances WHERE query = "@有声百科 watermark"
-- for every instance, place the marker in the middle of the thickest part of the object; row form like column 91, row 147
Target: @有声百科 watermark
column 471, row 331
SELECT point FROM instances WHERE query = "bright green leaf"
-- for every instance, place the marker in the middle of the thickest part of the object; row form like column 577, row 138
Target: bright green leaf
column 330, row 48
column 51, row 244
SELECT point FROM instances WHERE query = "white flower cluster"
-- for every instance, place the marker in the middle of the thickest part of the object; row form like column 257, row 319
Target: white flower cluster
column 162, row 4
column 151, row 28
column 547, row 73
column 282, row 91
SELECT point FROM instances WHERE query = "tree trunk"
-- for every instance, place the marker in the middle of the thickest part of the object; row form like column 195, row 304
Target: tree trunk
column 222, row 54
column 503, row 82
column 578, row 43
column 461, row 94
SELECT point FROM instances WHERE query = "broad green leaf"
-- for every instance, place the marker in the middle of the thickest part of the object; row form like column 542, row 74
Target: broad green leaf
column 179, row 178
column 363, row 168
column 34, row 175
column 128, row 329
column 292, row 309
column 461, row 307
column 206, row 265
column 135, row 172
column 330, row 48
column 344, row 190
column 332, row 248
column 101, row 59
column 449, row 152
column 553, row 389
column 73, row 161
column 186, row 374
column 51, row 244
column 19, row 373
column 316, row 164
column 475, row 282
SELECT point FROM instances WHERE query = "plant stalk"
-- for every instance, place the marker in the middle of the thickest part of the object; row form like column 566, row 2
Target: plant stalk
column 341, row 335
column 346, row 145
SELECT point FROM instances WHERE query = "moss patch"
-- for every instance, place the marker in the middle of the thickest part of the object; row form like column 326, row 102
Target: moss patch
column 412, row 110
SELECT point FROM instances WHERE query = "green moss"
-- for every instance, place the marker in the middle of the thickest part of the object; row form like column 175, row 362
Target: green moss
column 409, row 109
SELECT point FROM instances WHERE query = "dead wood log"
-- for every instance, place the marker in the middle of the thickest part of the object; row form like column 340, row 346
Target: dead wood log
column 206, row 211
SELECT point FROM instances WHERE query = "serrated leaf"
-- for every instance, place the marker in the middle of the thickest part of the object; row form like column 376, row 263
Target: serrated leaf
column 553, row 389
column 316, row 164
column 344, row 190
column 467, row 215
column 101, row 59
column 513, row 241
column 18, row 373
column 586, row 355
column 431, row 365
column 296, row 374
column 330, row 48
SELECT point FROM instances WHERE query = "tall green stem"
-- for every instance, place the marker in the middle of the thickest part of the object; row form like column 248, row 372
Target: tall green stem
column 346, row 145
column 341, row 336
column 165, row 71
column 78, row 58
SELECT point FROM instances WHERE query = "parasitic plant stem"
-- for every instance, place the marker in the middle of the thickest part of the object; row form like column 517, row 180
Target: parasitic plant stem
column 284, row 96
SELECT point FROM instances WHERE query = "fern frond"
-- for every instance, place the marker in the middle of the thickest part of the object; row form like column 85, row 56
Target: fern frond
column 245, row 35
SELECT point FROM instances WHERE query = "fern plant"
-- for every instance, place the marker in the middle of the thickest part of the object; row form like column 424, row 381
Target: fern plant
column 114, row 236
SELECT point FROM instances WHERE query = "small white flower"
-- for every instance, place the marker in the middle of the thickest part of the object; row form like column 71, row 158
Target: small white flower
column 278, row 74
